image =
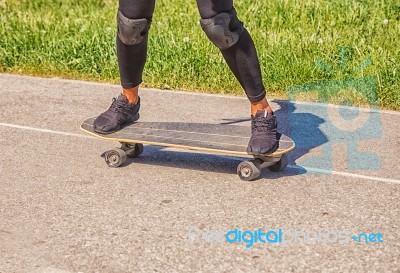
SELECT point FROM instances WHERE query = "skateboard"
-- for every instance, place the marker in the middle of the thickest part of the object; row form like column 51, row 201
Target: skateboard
column 203, row 137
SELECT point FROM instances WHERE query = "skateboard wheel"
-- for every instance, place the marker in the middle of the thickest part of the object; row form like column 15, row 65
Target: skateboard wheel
column 280, row 165
column 249, row 170
column 132, row 150
column 138, row 150
column 115, row 157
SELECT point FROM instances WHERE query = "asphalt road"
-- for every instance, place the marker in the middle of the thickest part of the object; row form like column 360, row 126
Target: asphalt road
column 63, row 210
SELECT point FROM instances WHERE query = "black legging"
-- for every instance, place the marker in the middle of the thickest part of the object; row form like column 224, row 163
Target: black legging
column 241, row 57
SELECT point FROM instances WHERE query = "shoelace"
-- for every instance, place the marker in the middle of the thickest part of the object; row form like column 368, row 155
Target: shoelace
column 116, row 105
column 261, row 123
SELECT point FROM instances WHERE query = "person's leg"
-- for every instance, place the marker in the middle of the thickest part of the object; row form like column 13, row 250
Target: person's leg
column 222, row 26
column 132, row 47
column 133, row 21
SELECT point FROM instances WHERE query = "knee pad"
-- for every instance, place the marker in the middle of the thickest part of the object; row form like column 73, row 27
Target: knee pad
column 223, row 29
column 132, row 31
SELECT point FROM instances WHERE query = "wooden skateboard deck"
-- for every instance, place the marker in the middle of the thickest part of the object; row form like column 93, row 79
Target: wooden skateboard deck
column 205, row 137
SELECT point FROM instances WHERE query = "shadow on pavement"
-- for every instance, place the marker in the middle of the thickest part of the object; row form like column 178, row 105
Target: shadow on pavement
column 303, row 128
column 173, row 158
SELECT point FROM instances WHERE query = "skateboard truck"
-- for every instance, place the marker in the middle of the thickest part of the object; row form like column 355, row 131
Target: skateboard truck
column 117, row 156
column 251, row 169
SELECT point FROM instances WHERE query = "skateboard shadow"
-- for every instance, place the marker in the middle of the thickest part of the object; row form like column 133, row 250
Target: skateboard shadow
column 303, row 127
column 197, row 161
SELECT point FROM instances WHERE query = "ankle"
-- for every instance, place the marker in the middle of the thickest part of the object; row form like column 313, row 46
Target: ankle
column 131, row 99
column 267, row 109
column 131, row 94
column 260, row 105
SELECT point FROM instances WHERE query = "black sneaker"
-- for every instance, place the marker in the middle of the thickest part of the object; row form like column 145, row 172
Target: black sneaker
column 120, row 113
column 263, row 134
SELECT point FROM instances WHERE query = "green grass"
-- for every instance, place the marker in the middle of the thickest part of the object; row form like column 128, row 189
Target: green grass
column 75, row 39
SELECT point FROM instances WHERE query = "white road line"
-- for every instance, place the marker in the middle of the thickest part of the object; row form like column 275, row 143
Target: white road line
column 308, row 169
column 44, row 130
column 353, row 175
column 328, row 105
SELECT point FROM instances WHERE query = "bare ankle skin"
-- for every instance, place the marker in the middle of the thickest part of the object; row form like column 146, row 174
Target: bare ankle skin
column 260, row 105
column 132, row 94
